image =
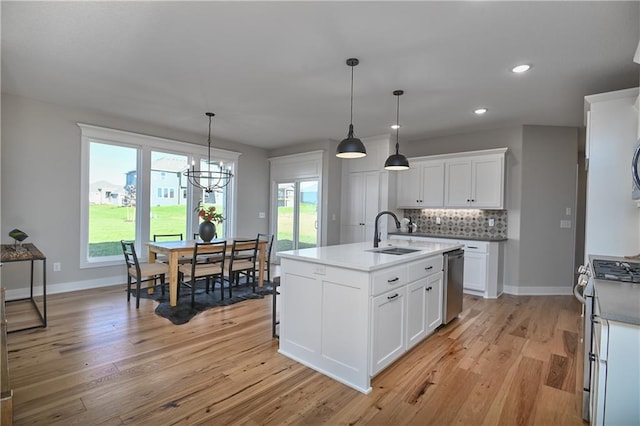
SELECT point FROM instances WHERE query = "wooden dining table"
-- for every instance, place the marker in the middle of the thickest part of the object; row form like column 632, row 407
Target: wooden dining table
column 176, row 249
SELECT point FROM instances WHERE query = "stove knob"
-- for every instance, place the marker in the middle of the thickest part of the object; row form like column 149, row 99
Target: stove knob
column 583, row 280
column 582, row 269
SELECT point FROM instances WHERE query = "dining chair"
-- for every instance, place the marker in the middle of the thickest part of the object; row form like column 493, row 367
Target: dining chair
column 204, row 265
column 267, row 261
column 243, row 261
column 142, row 272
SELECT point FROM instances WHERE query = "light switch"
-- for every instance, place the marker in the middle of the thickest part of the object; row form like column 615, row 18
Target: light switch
column 568, row 211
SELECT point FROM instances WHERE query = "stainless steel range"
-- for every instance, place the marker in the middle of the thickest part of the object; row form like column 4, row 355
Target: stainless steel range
column 613, row 270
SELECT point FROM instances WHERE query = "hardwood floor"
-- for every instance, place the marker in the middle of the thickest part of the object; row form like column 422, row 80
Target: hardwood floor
column 511, row 361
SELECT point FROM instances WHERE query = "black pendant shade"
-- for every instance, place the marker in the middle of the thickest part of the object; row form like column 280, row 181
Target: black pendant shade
column 351, row 147
column 397, row 161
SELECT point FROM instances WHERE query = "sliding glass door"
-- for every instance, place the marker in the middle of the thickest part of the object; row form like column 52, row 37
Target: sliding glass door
column 297, row 214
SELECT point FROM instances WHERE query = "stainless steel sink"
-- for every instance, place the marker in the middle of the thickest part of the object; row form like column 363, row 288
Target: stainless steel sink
column 394, row 250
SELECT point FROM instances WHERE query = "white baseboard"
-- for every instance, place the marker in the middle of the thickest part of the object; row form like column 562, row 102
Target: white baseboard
column 21, row 293
column 537, row 291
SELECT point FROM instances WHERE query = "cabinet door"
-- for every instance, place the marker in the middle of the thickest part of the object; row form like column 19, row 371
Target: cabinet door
column 457, row 187
column 371, row 181
column 432, row 184
column 475, row 271
column 433, row 295
column 354, row 196
column 388, row 328
column 487, row 181
column 361, row 200
column 409, row 190
column 416, row 312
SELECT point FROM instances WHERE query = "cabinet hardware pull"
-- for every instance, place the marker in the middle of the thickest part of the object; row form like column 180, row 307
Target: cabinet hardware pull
column 429, row 288
column 393, row 280
column 427, row 268
column 592, row 357
column 468, row 200
column 392, row 297
column 473, row 247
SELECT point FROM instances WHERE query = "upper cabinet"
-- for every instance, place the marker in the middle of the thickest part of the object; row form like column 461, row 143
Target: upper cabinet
column 476, row 182
column 465, row 180
column 422, row 185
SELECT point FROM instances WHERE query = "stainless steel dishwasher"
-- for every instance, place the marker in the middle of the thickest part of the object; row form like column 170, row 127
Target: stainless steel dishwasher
column 453, row 280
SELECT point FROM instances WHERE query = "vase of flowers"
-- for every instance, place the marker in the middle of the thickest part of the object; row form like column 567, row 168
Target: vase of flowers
column 210, row 217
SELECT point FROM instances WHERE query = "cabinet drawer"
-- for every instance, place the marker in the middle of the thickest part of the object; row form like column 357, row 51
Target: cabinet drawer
column 388, row 279
column 424, row 267
column 476, row 246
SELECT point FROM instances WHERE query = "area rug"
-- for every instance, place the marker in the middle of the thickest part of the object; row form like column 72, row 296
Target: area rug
column 183, row 312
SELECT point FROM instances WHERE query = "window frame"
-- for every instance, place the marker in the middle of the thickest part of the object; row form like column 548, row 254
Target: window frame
column 145, row 144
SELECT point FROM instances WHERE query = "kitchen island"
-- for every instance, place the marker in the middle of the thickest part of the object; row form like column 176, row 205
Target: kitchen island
column 349, row 311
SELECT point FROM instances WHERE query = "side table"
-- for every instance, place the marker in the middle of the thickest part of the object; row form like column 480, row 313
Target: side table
column 28, row 253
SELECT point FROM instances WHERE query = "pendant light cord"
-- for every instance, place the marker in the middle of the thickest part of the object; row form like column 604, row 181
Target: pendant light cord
column 351, row 121
column 398, row 125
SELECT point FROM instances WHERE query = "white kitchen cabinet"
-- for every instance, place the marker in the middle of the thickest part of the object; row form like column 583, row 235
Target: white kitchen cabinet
column 476, row 182
column 416, row 312
column 615, row 384
column 388, row 328
column 362, row 194
column 422, row 185
column 482, row 263
column 475, row 271
column 434, row 301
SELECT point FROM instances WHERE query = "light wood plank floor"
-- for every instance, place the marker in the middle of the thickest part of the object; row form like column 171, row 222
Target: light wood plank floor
column 511, row 361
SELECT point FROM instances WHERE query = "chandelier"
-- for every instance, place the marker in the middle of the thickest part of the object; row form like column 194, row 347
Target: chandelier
column 209, row 180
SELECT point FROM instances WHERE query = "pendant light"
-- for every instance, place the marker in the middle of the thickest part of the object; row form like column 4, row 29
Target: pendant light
column 397, row 161
column 351, row 147
column 208, row 180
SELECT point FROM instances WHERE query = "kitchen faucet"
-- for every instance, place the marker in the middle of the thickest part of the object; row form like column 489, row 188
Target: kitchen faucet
column 376, row 237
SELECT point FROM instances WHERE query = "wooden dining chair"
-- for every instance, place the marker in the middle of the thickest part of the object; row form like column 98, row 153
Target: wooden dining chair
column 268, row 238
column 208, row 262
column 243, row 261
column 142, row 272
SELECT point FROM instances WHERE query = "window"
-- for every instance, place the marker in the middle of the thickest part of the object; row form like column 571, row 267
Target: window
column 129, row 187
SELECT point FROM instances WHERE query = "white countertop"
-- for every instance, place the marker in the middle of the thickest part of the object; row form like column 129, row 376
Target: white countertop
column 618, row 301
column 360, row 257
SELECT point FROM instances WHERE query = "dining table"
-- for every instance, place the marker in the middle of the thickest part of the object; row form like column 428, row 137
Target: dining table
column 174, row 250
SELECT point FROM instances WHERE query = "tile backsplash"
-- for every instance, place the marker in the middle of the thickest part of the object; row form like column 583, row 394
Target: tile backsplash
column 463, row 223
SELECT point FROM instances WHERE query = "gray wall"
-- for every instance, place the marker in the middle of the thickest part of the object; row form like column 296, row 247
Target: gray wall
column 549, row 187
column 540, row 183
column 40, row 176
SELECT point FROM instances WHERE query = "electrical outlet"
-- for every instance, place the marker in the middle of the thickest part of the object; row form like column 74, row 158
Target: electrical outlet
column 261, row 215
column 57, row 267
column 438, row 220
column 565, row 224
column 492, row 222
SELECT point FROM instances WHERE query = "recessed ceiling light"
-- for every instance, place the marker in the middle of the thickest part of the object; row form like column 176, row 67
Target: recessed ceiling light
column 480, row 111
column 395, row 126
column 521, row 68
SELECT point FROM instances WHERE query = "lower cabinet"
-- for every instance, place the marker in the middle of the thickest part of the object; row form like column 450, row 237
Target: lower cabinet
column 475, row 271
column 434, row 301
column 388, row 328
column 404, row 316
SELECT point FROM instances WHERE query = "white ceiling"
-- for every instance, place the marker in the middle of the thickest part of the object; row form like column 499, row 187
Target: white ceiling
column 275, row 74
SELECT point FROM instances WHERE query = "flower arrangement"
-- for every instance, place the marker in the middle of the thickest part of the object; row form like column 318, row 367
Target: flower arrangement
column 209, row 213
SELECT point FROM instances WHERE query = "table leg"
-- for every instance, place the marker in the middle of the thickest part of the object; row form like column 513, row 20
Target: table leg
column 173, row 278
column 261, row 261
column 152, row 259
